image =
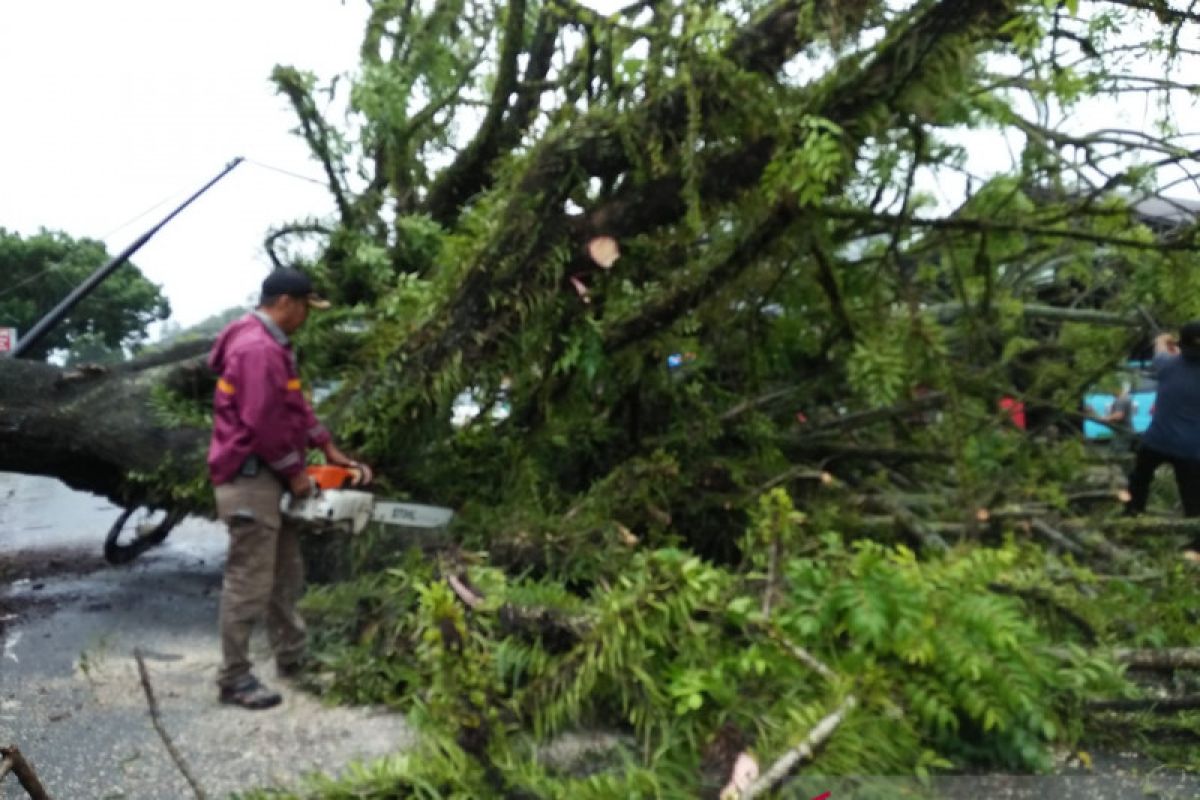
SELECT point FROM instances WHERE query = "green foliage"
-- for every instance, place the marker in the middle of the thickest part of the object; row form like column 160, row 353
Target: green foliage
column 40, row 270
column 814, row 166
column 174, row 411
column 675, row 650
column 793, row 234
column 163, row 488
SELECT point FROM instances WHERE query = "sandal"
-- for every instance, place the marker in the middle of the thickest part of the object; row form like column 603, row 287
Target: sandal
column 250, row 694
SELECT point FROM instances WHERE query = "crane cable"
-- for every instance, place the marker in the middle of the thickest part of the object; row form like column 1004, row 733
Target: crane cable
column 44, row 272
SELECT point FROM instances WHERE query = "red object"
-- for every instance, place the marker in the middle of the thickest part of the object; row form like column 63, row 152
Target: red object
column 331, row 477
column 1015, row 409
column 258, row 406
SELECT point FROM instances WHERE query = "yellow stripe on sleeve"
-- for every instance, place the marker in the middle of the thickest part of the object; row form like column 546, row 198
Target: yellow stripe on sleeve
column 293, row 385
column 225, row 386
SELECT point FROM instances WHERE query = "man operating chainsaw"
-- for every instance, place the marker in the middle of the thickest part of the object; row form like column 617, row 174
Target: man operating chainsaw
column 262, row 428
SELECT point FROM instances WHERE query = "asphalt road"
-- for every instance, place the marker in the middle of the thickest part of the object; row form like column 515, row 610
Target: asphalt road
column 70, row 695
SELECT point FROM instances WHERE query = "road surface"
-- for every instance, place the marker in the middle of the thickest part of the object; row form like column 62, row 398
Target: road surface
column 70, row 695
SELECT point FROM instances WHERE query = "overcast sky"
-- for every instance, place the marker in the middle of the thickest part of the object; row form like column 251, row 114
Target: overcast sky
column 111, row 107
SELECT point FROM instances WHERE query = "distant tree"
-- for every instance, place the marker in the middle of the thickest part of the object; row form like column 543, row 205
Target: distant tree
column 39, row 270
column 172, row 333
column 209, row 326
column 90, row 348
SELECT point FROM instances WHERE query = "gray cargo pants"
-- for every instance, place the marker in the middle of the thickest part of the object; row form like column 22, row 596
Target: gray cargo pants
column 264, row 575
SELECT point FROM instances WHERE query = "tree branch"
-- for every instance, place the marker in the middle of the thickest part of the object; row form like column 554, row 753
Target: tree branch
column 316, row 134
column 986, row 226
column 24, row 771
column 156, row 720
column 465, row 176
column 805, row 750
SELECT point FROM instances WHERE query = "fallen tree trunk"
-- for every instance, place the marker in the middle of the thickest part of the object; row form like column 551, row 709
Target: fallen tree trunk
column 1164, row 659
column 1167, row 658
column 1160, row 705
column 1151, row 525
column 93, row 427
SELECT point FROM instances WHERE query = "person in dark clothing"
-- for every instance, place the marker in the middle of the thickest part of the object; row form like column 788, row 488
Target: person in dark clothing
column 1174, row 433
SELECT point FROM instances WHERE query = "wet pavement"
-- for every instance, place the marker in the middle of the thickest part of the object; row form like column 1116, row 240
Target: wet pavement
column 70, row 695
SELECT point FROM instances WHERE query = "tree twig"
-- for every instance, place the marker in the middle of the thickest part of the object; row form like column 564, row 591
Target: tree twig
column 750, row 404
column 805, row 750
column 798, row 472
column 1055, row 536
column 799, row 653
column 914, row 525
column 14, row 761
column 772, row 575
column 176, row 756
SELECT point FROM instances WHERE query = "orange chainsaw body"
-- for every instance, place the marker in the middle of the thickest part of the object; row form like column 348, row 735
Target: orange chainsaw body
column 328, row 476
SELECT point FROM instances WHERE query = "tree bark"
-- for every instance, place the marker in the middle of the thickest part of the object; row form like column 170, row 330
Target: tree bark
column 1162, row 705
column 1168, row 658
column 91, row 427
column 24, row 771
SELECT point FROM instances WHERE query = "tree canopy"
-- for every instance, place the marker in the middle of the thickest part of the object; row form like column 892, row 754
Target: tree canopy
column 768, row 174
column 40, row 270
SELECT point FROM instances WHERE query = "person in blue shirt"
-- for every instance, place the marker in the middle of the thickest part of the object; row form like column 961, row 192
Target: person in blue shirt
column 1174, row 433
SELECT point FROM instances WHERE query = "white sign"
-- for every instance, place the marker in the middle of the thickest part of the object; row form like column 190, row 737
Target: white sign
column 8, row 339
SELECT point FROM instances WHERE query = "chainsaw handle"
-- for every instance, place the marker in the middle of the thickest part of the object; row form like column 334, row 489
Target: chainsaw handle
column 349, row 476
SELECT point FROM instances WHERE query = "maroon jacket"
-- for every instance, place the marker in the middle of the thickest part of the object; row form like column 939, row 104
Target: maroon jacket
column 258, row 407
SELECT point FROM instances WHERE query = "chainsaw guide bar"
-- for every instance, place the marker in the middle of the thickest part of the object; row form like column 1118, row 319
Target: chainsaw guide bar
column 355, row 510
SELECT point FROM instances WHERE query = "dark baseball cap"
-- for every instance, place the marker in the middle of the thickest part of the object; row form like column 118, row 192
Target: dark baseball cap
column 292, row 282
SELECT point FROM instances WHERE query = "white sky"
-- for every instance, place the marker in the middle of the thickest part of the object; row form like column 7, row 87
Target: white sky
column 111, row 107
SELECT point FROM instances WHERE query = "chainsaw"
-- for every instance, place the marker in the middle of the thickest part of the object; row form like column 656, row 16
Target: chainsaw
column 336, row 505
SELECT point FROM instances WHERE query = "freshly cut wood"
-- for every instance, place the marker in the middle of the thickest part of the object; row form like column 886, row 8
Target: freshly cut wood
column 803, row 751
column 604, row 250
column 797, row 473
column 1099, row 496
column 470, row 598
